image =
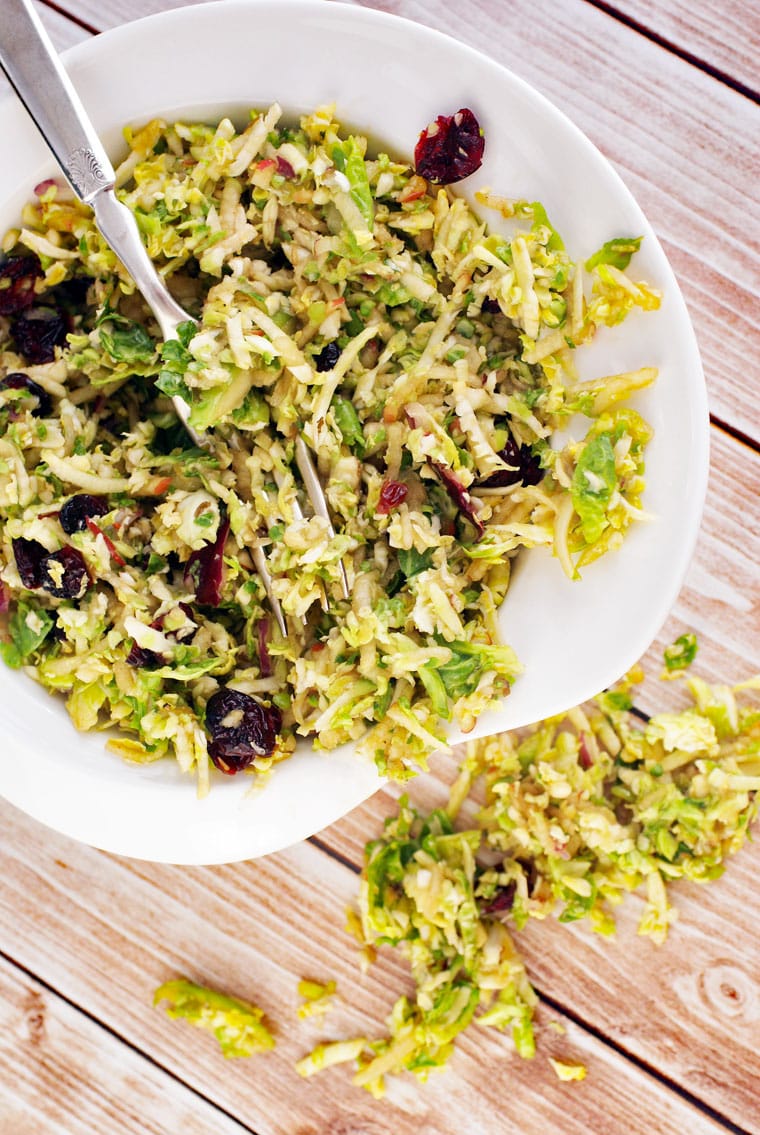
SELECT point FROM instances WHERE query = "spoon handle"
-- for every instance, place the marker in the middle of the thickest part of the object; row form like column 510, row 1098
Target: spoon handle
column 31, row 63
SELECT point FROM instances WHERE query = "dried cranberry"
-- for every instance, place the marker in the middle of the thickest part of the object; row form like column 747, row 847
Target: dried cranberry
column 241, row 728
column 18, row 381
column 143, row 659
column 392, row 494
column 204, row 571
column 585, row 760
column 459, row 495
column 78, row 509
column 450, row 148
column 490, row 306
column 265, row 661
column 17, row 277
column 37, row 333
column 327, row 357
column 29, row 555
column 64, row 574
column 525, row 467
column 285, row 168
column 503, row 899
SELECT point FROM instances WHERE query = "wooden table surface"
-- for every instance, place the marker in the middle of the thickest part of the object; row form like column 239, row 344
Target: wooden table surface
column 668, row 90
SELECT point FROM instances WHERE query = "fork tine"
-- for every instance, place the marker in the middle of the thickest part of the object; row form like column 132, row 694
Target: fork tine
column 316, row 495
column 260, row 563
column 298, row 515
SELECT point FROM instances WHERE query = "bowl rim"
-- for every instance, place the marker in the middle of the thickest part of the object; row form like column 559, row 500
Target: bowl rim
column 360, row 778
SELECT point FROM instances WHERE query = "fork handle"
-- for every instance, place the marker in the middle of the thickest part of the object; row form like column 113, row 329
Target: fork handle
column 30, row 61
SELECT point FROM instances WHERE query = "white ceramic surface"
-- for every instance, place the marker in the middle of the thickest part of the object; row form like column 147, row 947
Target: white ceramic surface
column 388, row 77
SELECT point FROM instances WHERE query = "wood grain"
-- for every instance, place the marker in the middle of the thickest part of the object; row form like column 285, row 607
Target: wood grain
column 724, row 34
column 693, row 170
column 105, row 931
column 63, row 32
column 65, row 1075
column 703, row 1038
column 689, row 1008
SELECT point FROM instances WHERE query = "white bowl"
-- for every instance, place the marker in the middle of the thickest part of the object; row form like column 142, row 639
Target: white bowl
column 389, row 78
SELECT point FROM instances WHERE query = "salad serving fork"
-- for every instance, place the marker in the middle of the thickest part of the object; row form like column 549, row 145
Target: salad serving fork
column 34, row 69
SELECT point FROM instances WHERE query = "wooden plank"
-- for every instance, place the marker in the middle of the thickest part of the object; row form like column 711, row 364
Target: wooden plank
column 73, row 915
column 691, row 1009
column 692, row 170
column 63, row 32
column 720, row 599
column 65, row 1075
column 724, row 34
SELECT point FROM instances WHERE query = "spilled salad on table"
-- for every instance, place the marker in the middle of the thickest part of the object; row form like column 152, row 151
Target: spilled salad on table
column 354, row 301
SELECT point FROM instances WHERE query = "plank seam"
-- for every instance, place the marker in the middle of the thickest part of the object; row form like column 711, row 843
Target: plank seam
column 332, row 854
column 591, row 1030
column 122, row 1040
column 550, row 1002
column 73, row 19
column 735, row 433
column 684, row 1094
column 680, row 52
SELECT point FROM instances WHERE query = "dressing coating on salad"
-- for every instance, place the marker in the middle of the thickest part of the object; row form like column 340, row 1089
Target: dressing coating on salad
column 427, row 361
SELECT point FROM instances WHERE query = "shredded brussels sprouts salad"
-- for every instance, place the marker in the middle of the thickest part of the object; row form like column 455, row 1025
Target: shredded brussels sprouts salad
column 563, row 819
column 427, row 362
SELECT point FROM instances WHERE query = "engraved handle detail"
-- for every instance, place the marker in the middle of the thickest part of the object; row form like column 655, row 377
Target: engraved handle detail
column 29, row 60
column 86, row 172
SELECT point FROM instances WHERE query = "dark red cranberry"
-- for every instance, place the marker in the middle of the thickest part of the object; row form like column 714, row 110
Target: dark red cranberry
column 143, row 659
column 265, row 660
column 525, row 467
column 458, row 494
column 72, row 581
column 17, row 277
column 392, row 494
column 18, row 381
column 502, row 900
column 204, row 571
column 450, row 148
column 38, row 332
column 78, row 509
column 327, row 357
column 241, row 728
column 490, row 306
column 585, row 760
column 29, row 555
column 285, row 168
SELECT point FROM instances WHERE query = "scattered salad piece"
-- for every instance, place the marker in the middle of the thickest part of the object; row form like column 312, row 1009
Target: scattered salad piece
column 427, row 361
column 679, row 655
column 318, row 997
column 578, row 810
column 567, row 1071
column 237, row 1025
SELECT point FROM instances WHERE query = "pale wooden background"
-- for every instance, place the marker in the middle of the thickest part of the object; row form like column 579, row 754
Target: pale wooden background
column 668, row 89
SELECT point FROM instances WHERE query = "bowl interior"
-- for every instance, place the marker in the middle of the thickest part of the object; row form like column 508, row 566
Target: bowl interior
column 574, row 638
